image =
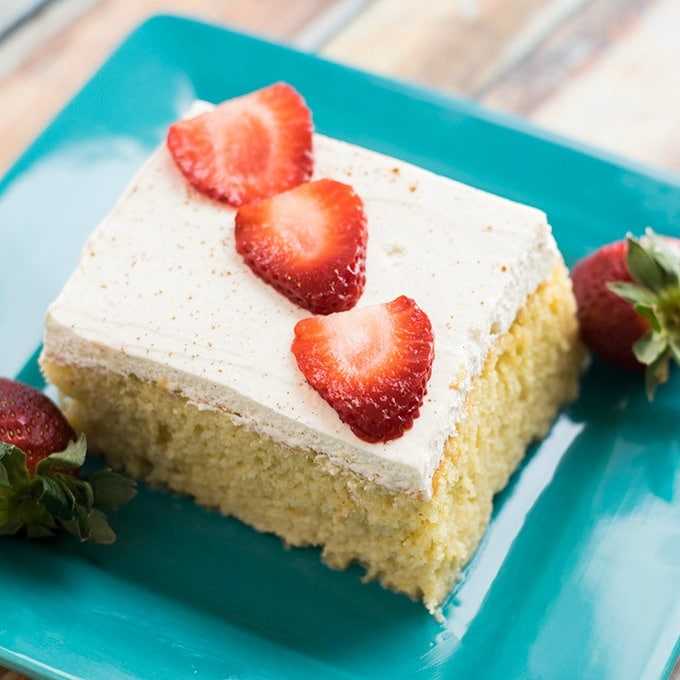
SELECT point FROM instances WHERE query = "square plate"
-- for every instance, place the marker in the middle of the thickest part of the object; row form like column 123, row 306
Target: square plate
column 578, row 574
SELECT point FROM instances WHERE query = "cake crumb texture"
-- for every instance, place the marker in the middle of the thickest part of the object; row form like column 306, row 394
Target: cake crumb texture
column 413, row 545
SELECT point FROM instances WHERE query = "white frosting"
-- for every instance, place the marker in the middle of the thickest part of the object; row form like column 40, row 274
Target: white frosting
column 161, row 293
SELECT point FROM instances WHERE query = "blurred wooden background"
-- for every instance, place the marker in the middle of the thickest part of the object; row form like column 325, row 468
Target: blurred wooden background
column 602, row 71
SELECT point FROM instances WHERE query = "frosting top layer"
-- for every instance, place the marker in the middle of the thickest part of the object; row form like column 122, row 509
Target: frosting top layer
column 161, row 293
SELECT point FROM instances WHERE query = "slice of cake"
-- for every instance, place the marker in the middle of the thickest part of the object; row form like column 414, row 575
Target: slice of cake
column 175, row 360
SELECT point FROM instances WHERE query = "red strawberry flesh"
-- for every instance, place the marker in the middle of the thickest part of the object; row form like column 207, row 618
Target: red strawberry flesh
column 247, row 148
column 371, row 364
column 32, row 422
column 309, row 243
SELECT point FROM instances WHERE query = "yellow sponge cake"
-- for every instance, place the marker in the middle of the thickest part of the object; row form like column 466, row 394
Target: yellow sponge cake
column 175, row 360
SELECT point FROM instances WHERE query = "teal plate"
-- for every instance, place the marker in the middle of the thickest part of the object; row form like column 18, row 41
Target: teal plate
column 579, row 573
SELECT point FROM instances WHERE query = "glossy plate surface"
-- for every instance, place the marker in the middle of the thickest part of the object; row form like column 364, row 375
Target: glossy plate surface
column 579, row 573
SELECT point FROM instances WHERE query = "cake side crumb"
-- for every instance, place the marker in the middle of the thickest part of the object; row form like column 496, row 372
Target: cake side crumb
column 413, row 545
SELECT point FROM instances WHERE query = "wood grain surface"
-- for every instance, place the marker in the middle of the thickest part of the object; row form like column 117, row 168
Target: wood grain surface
column 59, row 50
column 602, row 71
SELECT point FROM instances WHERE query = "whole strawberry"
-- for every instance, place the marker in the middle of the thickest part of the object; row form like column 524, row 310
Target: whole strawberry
column 628, row 296
column 41, row 491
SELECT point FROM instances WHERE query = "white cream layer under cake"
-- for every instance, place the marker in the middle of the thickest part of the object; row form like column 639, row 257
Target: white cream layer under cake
column 176, row 361
column 160, row 293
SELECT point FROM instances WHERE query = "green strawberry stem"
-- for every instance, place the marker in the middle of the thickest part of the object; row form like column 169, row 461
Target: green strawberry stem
column 54, row 499
column 654, row 265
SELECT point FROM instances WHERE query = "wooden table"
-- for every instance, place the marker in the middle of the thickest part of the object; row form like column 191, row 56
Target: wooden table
column 602, row 71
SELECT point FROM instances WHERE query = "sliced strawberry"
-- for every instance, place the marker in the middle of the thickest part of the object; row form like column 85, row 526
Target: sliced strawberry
column 309, row 243
column 370, row 364
column 247, row 148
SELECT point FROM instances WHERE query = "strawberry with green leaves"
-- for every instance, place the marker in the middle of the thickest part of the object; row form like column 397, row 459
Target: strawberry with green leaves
column 41, row 490
column 628, row 296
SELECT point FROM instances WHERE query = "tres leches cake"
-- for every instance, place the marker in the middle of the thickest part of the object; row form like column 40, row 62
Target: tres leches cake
column 372, row 407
